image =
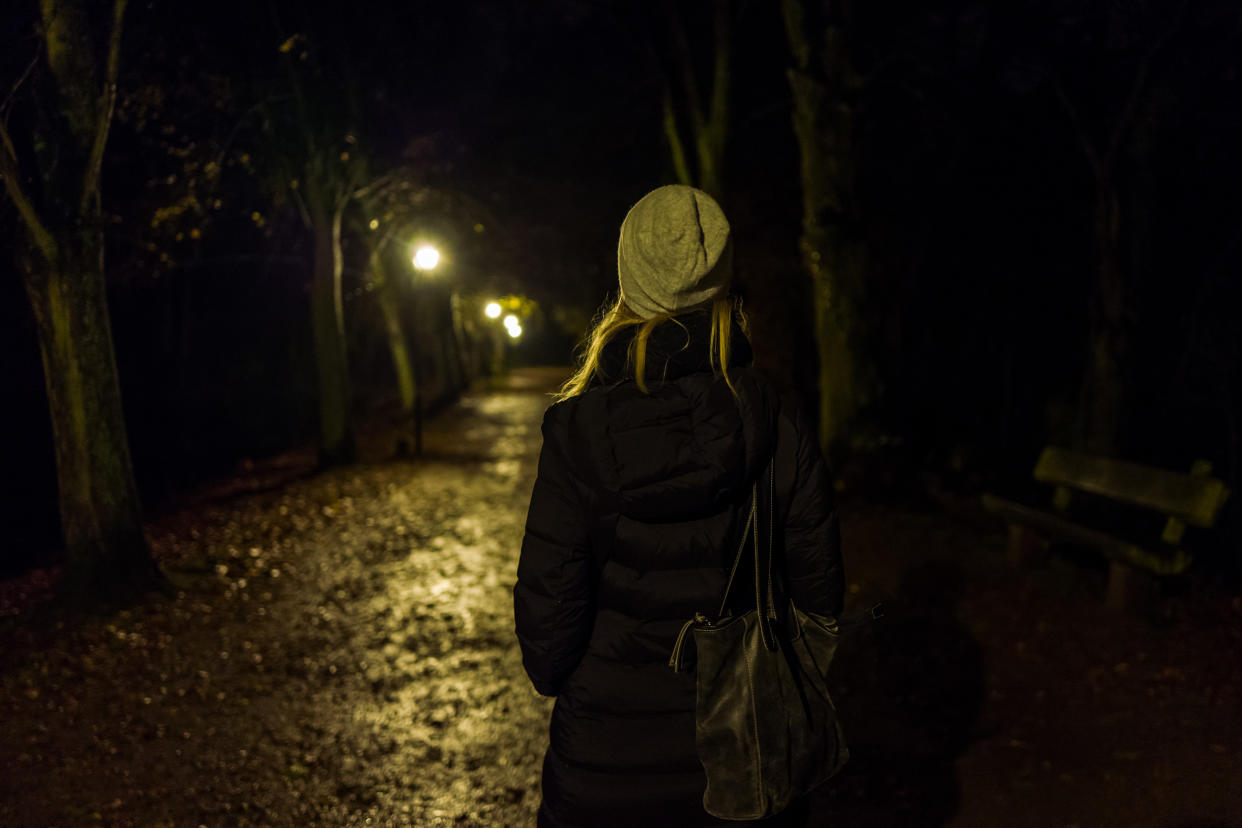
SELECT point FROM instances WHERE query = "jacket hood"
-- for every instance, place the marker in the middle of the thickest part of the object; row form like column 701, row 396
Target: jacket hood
column 687, row 447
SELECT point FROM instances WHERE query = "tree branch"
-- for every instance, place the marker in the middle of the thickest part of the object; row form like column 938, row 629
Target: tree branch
column 378, row 187
column 295, row 195
column 71, row 58
column 675, row 146
column 103, row 116
column 386, row 237
column 1140, row 80
column 799, row 46
column 30, row 217
column 720, row 76
column 685, row 63
column 18, row 85
column 1088, row 146
column 712, row 139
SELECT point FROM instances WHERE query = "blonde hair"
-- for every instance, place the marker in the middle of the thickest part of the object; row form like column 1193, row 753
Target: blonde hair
column 620, row 316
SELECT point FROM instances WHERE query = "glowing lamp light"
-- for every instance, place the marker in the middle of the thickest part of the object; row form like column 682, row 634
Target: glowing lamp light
column 492, row 310
column 513, row 326
column 426, row 257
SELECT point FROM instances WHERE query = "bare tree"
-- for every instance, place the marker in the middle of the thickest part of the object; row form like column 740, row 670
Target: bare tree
column 56, row 193
column 1103, row 388
column 384, row 202
column 311, row 139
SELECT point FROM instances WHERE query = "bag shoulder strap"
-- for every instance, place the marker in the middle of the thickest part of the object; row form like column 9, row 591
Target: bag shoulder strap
column 737, row 559
column 765, row 602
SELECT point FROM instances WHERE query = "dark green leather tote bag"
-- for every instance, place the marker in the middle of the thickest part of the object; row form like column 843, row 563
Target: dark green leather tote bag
column 766, row 729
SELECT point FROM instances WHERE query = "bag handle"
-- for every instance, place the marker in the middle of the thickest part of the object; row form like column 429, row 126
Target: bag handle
column 766, row 609
column 737, row 559
column 765, row 602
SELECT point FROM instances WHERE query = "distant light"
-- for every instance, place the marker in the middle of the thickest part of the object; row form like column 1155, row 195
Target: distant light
column 515, row 330
column 510, row 321
column 374, row 223
column 426, row 258
column 492, row 310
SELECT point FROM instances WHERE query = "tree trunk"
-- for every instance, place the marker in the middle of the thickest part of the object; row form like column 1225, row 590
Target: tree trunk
column 62, row 265
column 1103, row 382
column 453, row 379
column 823, row 87
column 386, row 295
column 328, row 322
column 839, row 392
column 1104, row 387
column 458, row 342
column 101, row 517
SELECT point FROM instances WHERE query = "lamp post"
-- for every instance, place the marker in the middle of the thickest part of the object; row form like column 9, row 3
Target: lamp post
column 424, row 257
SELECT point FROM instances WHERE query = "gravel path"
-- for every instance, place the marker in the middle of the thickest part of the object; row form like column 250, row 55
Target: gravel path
column 341, row 653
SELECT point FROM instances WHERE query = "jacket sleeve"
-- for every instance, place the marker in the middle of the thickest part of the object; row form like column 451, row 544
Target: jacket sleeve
column 813, row 530
column 554, row 598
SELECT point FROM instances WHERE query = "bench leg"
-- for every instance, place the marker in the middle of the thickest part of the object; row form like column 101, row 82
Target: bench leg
column 1025, row 547
column 1130, row 589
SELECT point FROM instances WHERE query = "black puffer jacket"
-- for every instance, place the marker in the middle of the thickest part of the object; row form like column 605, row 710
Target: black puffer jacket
column 632, row 523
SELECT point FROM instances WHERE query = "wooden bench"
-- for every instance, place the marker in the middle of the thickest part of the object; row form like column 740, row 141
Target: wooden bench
column 1193, row 499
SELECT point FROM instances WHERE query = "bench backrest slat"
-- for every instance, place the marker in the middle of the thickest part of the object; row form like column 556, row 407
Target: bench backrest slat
column 1194, row 499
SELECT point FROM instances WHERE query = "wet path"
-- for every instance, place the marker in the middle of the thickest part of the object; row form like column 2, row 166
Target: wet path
column 342, row 654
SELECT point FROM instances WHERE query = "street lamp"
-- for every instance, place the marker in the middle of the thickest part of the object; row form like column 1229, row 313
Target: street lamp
column 492, row 311
column 513, row 326
column 426, row 257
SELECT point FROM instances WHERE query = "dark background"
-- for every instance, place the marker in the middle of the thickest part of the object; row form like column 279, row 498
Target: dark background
column 544, row 119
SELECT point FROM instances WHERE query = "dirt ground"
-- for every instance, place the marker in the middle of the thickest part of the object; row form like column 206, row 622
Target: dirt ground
column 340, row 652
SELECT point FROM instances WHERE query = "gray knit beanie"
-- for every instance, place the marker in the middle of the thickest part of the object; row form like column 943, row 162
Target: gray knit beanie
column 673, row 252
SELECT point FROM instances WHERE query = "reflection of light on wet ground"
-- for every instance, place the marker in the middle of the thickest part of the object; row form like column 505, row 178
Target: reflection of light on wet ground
column 504, row 468
column 445, row 729
column 497, row 427
column 383, row 687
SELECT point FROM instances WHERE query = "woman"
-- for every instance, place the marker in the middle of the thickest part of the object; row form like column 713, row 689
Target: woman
column 648, row 455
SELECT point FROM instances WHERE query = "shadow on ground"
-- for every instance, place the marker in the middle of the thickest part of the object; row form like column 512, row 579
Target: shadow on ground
column 909, row 687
